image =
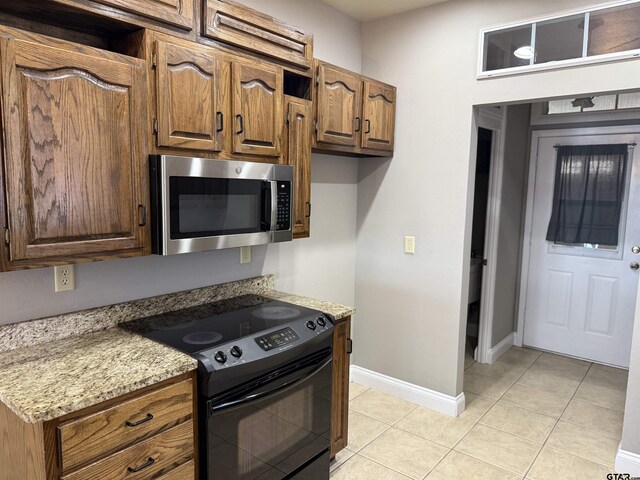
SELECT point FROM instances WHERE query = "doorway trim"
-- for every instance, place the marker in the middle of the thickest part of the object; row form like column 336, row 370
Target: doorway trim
column 495, row 120
column 533, row 166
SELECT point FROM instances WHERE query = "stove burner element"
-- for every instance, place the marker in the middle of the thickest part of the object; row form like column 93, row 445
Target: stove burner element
column 171, row 323
column 202, row 338
column 275, row 312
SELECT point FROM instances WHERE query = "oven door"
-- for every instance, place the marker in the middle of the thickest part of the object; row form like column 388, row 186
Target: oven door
column 274, row 428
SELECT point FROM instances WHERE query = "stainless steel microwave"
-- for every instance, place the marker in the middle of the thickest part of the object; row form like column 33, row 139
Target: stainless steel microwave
column 200, row 204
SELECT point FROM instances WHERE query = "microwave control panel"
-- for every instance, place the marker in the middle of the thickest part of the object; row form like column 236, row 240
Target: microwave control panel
column 283, row 220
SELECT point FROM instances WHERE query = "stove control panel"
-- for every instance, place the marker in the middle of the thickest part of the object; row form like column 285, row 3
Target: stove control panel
column 277, row 339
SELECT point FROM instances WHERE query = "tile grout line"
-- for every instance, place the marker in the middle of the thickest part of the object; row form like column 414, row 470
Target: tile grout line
column 495, row 401
column 388, row 425
column 557, row 421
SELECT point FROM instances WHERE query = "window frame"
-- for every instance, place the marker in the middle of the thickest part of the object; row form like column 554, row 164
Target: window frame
column 559, row 64
column 605, row 253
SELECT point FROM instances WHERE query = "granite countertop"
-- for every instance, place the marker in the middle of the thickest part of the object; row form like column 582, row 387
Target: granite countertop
column 49, row 380
column 338, row 311
column 59, row 365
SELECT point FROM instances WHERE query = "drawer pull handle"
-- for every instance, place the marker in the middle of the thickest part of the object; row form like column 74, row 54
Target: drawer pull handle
column 146, row 419
column 149, row 462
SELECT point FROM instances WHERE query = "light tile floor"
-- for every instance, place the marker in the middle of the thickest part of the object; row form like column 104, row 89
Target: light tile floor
column 530, row 415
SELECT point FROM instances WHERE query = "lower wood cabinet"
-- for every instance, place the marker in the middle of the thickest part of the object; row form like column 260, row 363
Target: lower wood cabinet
column 342, row 347
column 147, row 434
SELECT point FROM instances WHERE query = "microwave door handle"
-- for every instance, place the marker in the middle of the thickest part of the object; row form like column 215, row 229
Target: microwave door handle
column 274, row 206
column 279, row 390
column 266, row 220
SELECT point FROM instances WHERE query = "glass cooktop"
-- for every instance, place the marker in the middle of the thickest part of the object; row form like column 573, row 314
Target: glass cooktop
column 192, row 330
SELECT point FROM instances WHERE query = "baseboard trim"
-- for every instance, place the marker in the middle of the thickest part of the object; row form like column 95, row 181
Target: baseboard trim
column 501, row 348
column 628, row 462
column 425, row 397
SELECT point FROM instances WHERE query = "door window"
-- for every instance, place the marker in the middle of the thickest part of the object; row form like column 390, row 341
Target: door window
column 588, row 196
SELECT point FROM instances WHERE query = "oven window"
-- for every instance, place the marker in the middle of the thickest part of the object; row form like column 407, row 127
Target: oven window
column 204, row 207
column 274, row 437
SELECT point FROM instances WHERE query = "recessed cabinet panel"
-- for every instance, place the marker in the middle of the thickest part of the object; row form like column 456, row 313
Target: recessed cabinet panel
column 298, row 154
column 173, row 12
column 257, row 109
column 379, row 116
column 339, row 103
column 189, row 99
column 239, row 25
column 74, row 151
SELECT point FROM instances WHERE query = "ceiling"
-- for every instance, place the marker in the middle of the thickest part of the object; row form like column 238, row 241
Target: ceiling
column 365, row 10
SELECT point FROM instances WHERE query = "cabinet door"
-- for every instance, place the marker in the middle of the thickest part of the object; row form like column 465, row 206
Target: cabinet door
column 75, row 160
column 340, row 404
column 257, row 109
column 339, row 103
column 173, row 12
column 379, row 115
column 298, row 154
column 189, row 97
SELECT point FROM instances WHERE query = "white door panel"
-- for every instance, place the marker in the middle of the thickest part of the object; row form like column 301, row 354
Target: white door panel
column 581, row 301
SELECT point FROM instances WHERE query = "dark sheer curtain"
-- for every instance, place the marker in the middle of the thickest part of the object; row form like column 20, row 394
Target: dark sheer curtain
column 588, row 194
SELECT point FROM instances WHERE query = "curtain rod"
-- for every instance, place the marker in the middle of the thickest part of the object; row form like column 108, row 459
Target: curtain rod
column 629, row 145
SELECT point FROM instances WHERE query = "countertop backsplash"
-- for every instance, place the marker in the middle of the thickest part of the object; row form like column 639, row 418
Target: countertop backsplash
column 58, row 327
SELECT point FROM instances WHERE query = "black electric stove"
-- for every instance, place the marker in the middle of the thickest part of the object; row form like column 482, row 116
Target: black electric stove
column 264, row 382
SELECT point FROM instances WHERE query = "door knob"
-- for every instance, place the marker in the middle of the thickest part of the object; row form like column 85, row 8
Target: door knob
column 635, row 249
column 634, row 266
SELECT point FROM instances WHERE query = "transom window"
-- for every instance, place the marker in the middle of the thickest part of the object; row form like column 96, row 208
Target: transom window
column 599, row 34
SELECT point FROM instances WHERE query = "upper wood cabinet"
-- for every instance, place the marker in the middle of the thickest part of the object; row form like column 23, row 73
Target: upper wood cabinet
column 298, row 154
column 189, row 97
column 354, row 114
column 252, row 30
column 75, row 161
column 257, row 109
column 172, row 12
column 339, row 101
column 379, row 111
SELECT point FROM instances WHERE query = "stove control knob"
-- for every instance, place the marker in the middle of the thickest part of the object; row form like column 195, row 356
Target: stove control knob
column 220, row 357
column 321, row 321
column 311, row 325
column 236, row 351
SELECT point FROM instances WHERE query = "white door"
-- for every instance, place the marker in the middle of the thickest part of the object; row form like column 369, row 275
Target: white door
column 580, row 300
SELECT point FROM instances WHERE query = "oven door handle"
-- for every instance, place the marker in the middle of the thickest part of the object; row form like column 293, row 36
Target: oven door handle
column 272, row 392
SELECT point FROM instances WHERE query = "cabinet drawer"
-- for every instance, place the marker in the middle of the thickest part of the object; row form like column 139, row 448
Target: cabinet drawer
column 247, row 28
column 183, row 472
column 144, row 460
column 88, row 438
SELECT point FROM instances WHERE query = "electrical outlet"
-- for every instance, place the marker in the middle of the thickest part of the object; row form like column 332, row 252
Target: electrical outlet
column 245, row 255
column 409, row 244
column 64, row 278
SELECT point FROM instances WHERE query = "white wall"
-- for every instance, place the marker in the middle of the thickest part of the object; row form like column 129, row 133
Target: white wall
column 322, row 266
column 412, row 307
column 512, row 202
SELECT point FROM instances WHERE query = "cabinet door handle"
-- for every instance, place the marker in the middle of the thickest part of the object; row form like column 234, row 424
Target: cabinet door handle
column 143, row 215
column 358, row 124
column 349, row 346
column 241, row 120
column 308, row 209
column 219, row 121
column 148, row 463
column 368, row 126
column 146, row 419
